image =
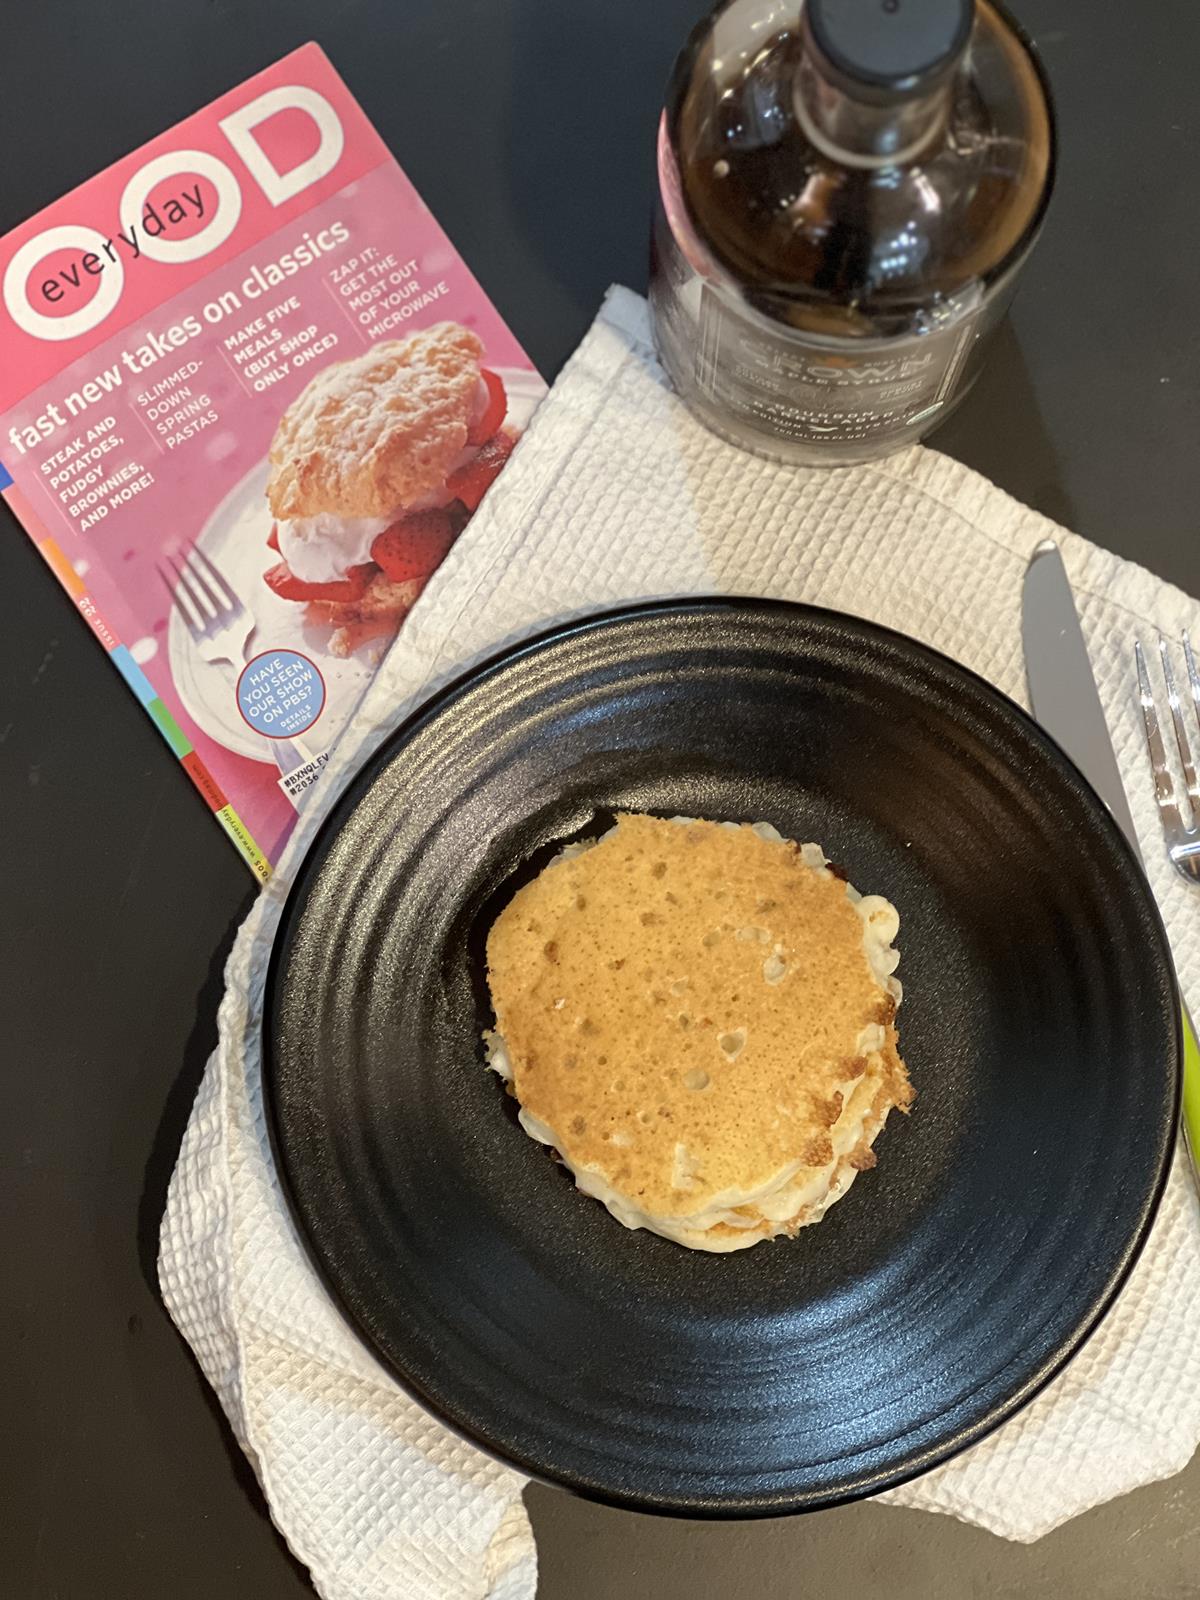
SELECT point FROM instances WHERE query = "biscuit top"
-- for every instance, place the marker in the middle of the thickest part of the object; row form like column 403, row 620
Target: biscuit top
column 686, row 1005
column 369, row 436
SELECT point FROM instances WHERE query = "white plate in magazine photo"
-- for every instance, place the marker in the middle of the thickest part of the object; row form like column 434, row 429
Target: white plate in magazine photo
column 235, row 540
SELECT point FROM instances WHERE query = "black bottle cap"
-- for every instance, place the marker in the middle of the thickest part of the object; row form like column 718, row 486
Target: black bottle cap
column 884, row 50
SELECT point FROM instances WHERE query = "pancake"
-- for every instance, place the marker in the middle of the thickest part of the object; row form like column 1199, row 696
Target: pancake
column 699, row 1018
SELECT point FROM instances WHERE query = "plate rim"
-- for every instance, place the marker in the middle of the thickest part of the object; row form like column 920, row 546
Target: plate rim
column 710, row 1508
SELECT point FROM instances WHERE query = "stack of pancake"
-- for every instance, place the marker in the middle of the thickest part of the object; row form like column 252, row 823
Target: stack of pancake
column 699, row 1018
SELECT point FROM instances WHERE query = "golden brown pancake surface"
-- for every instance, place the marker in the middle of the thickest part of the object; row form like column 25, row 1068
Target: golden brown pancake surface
column 686, row 1008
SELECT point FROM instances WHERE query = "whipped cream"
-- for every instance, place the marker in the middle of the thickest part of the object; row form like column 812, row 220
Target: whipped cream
column 480, row 402
column 323, row 548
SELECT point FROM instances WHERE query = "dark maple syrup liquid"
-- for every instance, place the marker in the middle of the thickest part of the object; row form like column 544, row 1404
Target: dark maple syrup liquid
column 825, row 299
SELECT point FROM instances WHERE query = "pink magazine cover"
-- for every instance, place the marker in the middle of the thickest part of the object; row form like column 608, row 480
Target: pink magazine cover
column 249, row 396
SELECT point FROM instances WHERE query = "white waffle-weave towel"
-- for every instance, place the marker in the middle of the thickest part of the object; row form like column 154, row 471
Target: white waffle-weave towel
column 616, row 494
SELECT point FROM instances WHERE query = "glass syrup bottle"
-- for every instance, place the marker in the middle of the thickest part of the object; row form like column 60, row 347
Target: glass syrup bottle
column 848, row 189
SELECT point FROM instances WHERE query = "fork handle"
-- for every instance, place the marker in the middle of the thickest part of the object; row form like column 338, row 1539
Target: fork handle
column 290, row 754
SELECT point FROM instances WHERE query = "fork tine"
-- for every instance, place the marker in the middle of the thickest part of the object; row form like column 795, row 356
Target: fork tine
column 1193, row 674
column 1164, row 789
column 180, row 598
column 196, row 588
column 217, row 587
column 1181, row 738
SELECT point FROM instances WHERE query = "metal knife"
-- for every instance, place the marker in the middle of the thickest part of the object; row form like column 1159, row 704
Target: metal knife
column 1066, row 703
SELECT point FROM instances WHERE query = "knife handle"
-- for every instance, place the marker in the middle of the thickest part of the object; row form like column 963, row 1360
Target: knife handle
column 1191, row 1090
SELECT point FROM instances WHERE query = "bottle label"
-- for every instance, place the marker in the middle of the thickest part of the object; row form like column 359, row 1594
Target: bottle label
column 800, row 391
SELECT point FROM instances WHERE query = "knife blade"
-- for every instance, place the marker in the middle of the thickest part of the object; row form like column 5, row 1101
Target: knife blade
column 1065, row 700
column 1062, row 689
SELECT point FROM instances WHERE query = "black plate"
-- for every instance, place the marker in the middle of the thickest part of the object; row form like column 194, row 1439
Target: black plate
column 1039, row 1024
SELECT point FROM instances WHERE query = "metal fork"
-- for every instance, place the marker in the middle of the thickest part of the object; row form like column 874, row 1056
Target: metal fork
column 216, row 619
column 220, row 626
column 1182, row 833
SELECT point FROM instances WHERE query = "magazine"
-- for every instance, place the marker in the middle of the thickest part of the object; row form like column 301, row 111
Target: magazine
column 249, row 396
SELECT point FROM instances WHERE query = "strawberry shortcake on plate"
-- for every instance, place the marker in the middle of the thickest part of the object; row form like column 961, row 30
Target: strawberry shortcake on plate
column 375, row 469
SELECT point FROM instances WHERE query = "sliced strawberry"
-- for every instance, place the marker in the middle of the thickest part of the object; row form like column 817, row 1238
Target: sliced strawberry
column 415, row 546
column 494, row 413
column 273, row 541
column 283, row 581
column 470, row 483
column 459, row 517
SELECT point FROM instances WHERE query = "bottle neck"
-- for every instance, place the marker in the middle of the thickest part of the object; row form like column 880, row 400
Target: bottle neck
column 858, row 132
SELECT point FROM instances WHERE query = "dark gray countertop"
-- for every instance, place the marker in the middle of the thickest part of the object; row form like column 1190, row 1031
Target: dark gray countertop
column 527, row 125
